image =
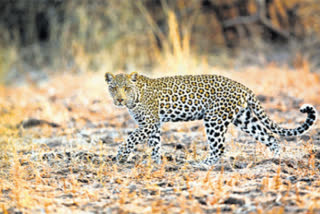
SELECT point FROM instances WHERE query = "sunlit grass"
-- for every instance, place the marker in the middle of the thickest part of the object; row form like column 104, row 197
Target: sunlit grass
column 176, row 37
column 72, row 99
column 33, row 183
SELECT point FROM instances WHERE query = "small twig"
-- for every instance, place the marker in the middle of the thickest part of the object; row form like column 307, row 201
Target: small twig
column 241, row 20
column 32, row 122
column 155, row 28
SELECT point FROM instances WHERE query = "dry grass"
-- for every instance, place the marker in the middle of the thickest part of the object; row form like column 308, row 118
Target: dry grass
column 70, row 168
column 32, row 184
column 112, row 35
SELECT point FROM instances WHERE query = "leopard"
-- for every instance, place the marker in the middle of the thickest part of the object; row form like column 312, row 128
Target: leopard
column 215, row 99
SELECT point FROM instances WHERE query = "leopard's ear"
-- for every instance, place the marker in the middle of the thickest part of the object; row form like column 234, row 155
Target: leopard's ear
column 109, row 77
column 133, row 76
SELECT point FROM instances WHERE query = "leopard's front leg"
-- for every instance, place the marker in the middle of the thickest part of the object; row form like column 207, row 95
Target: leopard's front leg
column 154, row 142
column 140, row 135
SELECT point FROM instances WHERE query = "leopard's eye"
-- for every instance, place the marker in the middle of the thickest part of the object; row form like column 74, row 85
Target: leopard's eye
column 126, row 88
column 112, row 88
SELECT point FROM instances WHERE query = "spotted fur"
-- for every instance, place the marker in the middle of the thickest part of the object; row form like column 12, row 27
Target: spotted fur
column 216, row 100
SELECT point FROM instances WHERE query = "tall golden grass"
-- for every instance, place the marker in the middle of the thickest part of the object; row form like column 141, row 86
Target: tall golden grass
column 177, row 37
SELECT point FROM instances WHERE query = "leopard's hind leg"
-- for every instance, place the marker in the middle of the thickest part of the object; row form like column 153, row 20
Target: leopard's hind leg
column 216, row 126
column 247, row 122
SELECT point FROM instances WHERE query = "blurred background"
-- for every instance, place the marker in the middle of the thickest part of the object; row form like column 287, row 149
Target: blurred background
column 41, row 37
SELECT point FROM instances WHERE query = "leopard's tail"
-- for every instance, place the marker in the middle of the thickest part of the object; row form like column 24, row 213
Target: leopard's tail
column 275, row 128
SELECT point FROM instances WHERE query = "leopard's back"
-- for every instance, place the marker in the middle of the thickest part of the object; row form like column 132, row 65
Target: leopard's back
column 190, row 97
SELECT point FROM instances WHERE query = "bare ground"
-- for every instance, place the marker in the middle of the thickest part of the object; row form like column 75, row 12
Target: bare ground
column 69, row 165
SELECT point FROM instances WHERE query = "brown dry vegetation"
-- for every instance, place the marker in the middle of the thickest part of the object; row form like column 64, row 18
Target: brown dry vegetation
column 58, row 137
column 71, row 168
column 108, row 35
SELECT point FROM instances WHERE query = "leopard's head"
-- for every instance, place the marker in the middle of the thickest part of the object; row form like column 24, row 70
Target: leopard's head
column 122, row 88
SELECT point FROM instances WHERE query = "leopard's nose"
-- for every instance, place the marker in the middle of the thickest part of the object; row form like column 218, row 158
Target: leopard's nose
column 120, row 100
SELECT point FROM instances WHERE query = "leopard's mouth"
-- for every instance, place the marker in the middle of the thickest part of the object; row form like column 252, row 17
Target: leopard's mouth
column 120, row 104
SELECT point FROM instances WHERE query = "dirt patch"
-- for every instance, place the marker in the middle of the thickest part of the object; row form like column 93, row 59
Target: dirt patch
column 71, row 167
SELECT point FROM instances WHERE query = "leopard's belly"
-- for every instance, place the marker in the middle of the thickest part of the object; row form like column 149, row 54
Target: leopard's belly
column 181, row 113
